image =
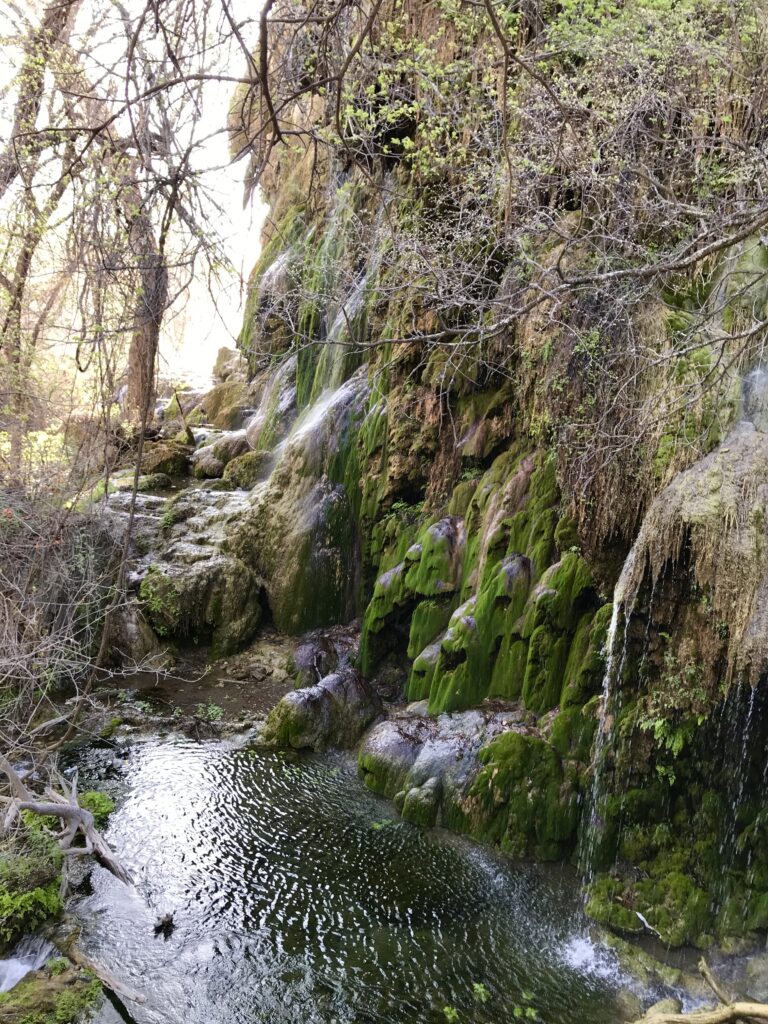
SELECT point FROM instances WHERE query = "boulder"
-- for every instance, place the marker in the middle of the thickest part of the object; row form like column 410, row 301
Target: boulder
column 333, row 713
column 166, row 457
column 205, row 465
column 248, row 469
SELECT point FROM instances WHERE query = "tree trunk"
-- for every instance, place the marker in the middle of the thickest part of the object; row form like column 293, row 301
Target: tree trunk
column 147, row 318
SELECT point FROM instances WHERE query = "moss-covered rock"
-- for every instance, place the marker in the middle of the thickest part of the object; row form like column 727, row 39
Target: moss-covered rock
column 215, row 600
column 522, row 800
column 300, row 535
column 205, row 464
column 146, row 482
column 333, row 713
column 165, row 457
column 59, row 993
column 226, row 405
column 246, row 470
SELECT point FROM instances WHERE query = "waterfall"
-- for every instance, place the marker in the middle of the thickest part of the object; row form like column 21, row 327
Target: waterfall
column 615, row 658
column 28, row 955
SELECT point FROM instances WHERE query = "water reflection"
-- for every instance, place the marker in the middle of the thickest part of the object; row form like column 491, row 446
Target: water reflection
column 298, row 897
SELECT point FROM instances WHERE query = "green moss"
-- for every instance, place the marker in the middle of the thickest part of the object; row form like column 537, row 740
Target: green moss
column 160, row 602
column 423, row 672
column 604, row 904
column 506, row 642
column 522, row 801
column 246, row 470
column 509, row 668
column 382, row 774
column 58, row 994
column 29, row 879
column 478, row 653
column 566, row 534
column 586, row 658
column 111, row 727
column 429, row 618
column 432, row 564
column 99, row 804
column 225, row 403
column 22, row 911
column 165, row 457
column 289, row 230
column 572, row 734
column 547, row 657
column 460, row 679
column 420, row 804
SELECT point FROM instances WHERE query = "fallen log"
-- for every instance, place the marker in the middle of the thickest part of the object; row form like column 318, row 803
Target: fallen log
column 107, row 979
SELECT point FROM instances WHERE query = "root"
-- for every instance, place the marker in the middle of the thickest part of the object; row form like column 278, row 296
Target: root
column 728, row 1011
column 64, row 806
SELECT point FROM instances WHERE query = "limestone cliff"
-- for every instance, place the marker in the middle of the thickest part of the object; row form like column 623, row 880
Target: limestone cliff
column 489, row 358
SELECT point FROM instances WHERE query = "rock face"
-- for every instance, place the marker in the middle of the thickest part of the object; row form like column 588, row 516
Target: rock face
column 300, row 533
column 425, row 487
column 486, row 773
column 187, row 587
column 333, row 713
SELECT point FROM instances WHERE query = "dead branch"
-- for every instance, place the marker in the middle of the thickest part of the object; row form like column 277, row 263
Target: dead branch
column 75, row 819
column 720, row 1015
column 728, row 1011
column 713, row 983
column 105, row 977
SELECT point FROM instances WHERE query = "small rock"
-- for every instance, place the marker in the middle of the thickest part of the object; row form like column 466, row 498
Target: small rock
column 663, row 1006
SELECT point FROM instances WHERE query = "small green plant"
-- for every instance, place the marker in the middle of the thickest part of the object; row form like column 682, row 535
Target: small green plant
column 99, row 804
column 384, row 823
column 450, row 1013
column 57, row 966
column 209, row 712
column 160, row 602
column 405, row 512
column 524, row 1009
column 676, row 707
column 479, row 992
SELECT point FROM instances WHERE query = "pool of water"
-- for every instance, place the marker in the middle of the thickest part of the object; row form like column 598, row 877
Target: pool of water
column 299, row 898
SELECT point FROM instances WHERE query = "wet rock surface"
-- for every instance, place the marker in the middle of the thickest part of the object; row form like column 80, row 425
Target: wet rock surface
column 333, row 713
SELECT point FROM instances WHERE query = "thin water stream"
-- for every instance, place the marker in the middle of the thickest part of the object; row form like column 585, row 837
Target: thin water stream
column 298, row 897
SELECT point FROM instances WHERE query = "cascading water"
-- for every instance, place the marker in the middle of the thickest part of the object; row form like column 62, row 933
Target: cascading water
column 28, row 955
column 710, row 725
column 615, row 658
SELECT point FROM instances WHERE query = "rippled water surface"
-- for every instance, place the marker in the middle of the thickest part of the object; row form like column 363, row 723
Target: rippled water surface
column 299, row 897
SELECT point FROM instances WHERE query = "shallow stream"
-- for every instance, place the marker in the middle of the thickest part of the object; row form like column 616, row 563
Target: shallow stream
column 299, row 897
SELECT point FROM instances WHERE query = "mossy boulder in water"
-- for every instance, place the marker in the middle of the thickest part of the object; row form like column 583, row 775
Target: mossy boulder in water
column 522, row 798
column 478, row 772
column 333, row 713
